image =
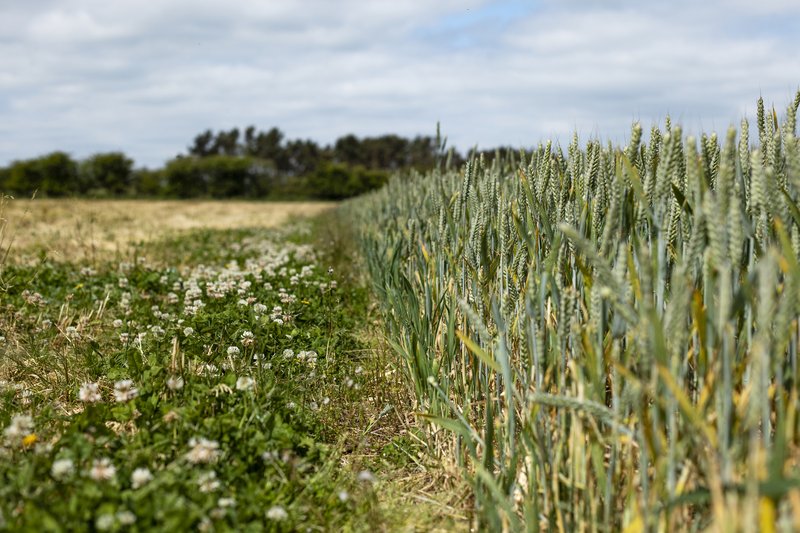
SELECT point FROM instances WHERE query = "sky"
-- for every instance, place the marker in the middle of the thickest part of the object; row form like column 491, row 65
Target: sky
column 145, row 77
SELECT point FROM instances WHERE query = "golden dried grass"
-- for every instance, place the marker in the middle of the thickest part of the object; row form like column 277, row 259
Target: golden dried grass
column 77, row 229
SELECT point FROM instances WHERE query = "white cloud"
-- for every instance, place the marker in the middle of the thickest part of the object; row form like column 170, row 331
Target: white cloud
column 145, row 77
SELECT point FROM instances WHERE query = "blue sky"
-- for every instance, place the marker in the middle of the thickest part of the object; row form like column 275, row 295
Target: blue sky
column 145, row 77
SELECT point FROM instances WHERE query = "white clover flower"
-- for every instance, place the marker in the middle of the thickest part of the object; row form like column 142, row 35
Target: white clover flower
column 245, row 383
column 118, row 323
column 288, row 354
column 103, row 470
column 208, row 482
column 259, row 308
column 62, row 468
column 126, row 518
column 343, row 496
column 124, row 338
column 226, row 502
column 175, row 383
column 90, row 393
column 203, row 451
column 277, row 513
column 248, row 338
column 205, row 525
column 122, row 282
column 21, row 427
column 188, row 331
column 104, row 522
column 125, row 391
column 366, row 476
column 233, row 351
column 71, row 332
column 141, row 477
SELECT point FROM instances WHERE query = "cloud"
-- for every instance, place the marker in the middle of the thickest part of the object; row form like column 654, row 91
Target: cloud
column 145, row 77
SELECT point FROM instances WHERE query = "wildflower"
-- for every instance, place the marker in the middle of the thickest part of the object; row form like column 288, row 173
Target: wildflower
column 90, row 393
column 175, row 383
column 29, row 440
column 343, row 496
column 104, row 522
column 259, row 308
column 124, row 338
column 288, row 354
column 277, row 513
column 248, row 338
column 103, row 470
column 207, row 482
column 125, row 391
column 188, row 331
column 233, row 351
column 20, row 428
column 291, row 405
column 226, row 502
column 366, row 476
column 245, row 383
column 140, row 477
column 118, row 323
column 203, row 451
column 126, row 518
column 71, row 332
column 62, row 468
column 170, row 416
column 122, row 282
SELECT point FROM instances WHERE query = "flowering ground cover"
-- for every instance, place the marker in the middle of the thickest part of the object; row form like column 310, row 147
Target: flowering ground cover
column 210, row 382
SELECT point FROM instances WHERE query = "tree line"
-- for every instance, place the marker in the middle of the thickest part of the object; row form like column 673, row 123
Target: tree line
column 231, row 164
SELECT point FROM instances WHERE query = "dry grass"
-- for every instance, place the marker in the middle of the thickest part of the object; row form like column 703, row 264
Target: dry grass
column 74, row 230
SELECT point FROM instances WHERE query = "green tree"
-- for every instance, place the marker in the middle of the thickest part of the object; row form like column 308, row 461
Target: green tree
column 107, row 174
column 54, row 174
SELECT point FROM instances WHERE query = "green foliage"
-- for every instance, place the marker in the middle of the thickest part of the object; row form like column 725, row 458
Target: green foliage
column 605, row 337
column 220, row 176
column 107, row 174
column 336, row 181
column 239, row 373
column 54, row 174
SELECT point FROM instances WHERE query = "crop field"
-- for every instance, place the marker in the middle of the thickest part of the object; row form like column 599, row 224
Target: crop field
column 572, row 338
column 606, row 338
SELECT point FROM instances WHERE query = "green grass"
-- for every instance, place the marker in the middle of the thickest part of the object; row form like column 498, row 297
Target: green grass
column 274, row 421
column 605, row 338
